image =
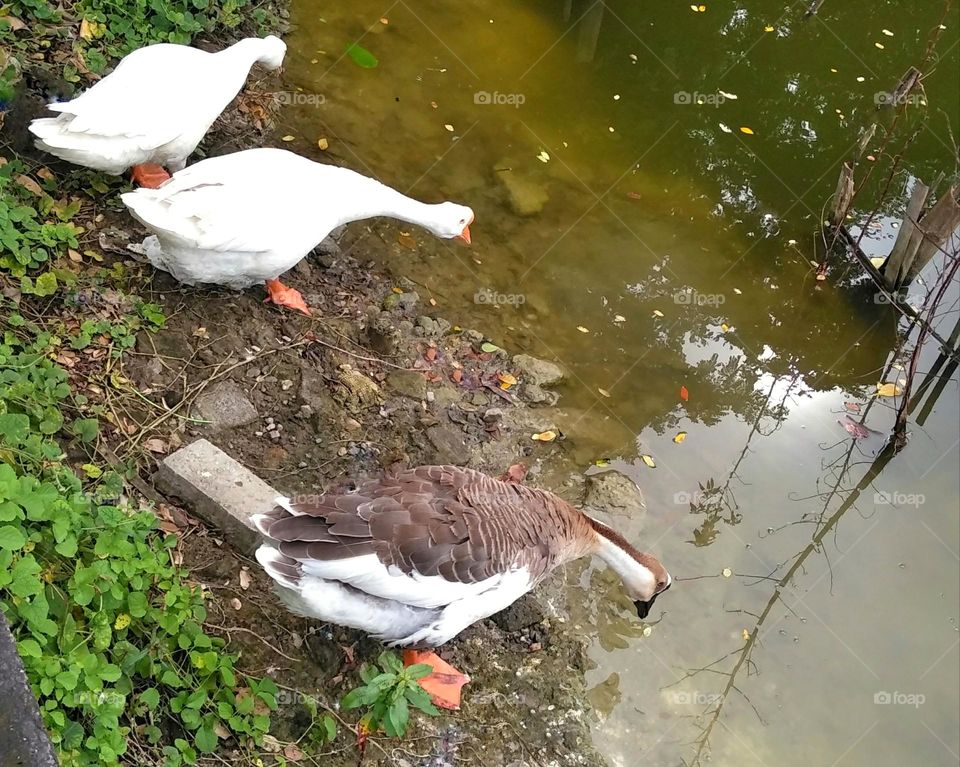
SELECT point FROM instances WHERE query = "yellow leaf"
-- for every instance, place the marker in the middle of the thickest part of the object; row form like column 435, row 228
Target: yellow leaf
column 123, row 620
column 582, row 329
column 90, row 29
column 887, row 32
column 888, row 390
column 726, row 572
column 73, row 255
column 545, row 436
column 745, row 129
column 647, row 631
column 681, row 436
column 602, row 462
column 657, row 313
column 29, row 184
column 323, row 144
column 604, row 392
column 746, row 635
column 288, row 137
column 449, row 127
column 649, row 461
column 506, row 380
column 879, row 45
column 725, row 327
column 398, row 291
column 768, row 29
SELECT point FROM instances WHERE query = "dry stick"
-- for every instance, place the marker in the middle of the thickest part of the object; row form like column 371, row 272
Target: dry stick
column 228, row 629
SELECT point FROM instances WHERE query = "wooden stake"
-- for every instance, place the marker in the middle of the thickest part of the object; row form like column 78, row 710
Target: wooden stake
column 843, row 196
column 938, row 225
column 908, row 239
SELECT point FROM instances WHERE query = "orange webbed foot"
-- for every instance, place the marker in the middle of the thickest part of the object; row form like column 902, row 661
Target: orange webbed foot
column 149, row 175
column 281, row 295
column 444, row 684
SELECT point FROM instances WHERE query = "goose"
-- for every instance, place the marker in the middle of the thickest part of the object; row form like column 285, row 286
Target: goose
column 247, row 217
column 415, row 558
column 153, row 109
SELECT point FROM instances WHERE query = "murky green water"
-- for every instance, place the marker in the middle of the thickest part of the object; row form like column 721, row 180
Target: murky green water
column 610, row 202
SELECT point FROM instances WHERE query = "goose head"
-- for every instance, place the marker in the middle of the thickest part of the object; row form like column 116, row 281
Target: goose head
column 273, row 49
column 644, row 578
column 450, row 220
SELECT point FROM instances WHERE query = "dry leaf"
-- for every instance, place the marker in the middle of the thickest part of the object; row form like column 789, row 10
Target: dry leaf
column 74, row 256
column 29, row 184
column 288, row 137
column 888, row 390
column 244, row 578
column 681, row 436
column 156, row 445
column 726, row 572
column 449, row 127
column 236, row 604
column 604, row 392
column 292, row 752
column 854, row 429
column 506, row 380
column 647, row 631
column 746, row 635
column 768, row 28
column 406, row 241
column 582, row 329
column 543, row 156
column 515, row 473
column 746, row 130
column 14, row 23
column 649, row 461
column 724, row 327
column 201, row 332
column 323, row 144
column 45, row 173
column 657, row 313
column 684, row 394
column 545, row 436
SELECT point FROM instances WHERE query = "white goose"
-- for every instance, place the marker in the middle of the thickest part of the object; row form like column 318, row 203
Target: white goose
column 153, row 109
column 247, row 217
column 415, row 558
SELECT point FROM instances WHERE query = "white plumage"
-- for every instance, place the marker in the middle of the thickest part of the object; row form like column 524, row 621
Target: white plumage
column 247, row 217
column 155, row 107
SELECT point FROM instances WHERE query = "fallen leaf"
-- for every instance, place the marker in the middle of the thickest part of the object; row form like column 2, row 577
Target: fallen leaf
column 384, row 20
column 726, row 572
column 725, row 128
column 545, row 436
column 543, row 156
column 657, row 313
column 236, row 604
column 45, row 173
column 738, row 291
column 292, row 752
column 745, row 129
column 746, row 635
column 90, row 29
column 13, row 22
column 323, row 144
column 489, row 348
column 724, row 327
column 29, row 184
column 456, row 376
column 288, row 137
column 449, row 127
column 853, row 407
column 768, row 28
column 604, row 392
column 649, row 461
column 244, row 578
column 201, row 332
column 74, row 256
column 515, row 473
column 431, row 353
column 433, row 302
column 619, row 318
column 361, row 56
column 506, row 380
column 582, row 329
column 156, row 445
column 602, row 462
column 647, row 631
column 684, row 394
column 877, row 261
column 681, row 436
column 888, row 390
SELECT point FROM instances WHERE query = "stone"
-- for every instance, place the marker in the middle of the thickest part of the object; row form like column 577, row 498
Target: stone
column 23, row 740
column 225, row 406
column 428, row 327
column 402, row 301
column 472, row 337
column 537, row 395
column 408, row 383
column 526, row 196
column 217, row 489
column 525, row 612
column 614, row 493
column 314, row 392
column 381, row 334
column 536, row 371
column 448, row 444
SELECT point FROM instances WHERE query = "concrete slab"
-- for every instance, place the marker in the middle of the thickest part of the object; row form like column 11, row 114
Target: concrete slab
column 23, row 741
column 216, row 488
column 225, row 406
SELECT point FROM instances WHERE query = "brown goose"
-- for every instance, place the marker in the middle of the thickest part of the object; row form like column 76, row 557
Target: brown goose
column 415, row 558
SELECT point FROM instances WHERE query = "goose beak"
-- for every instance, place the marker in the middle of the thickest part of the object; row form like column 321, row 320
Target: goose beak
column 465, row 234
column 643, row 608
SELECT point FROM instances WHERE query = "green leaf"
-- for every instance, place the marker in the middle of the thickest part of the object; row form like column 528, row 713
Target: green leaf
column 86, row 429
column 418, row 671
column 137, row 604
column 420, row 698
column 489, row 348
column 361, row 56
column 206, row 739
column 390, row 662
column 397, row 717
column 14, row 427
column 11, row 538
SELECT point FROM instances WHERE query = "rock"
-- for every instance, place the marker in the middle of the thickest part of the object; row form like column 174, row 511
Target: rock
column 314, row 391
column 408, row 383
column 537, row 395
column 429, row 327
column 302, row 270
column 526, row 196
column 225, row 406
column 381, row 334
column 525, row 612
column 403, row 301
column 328, row 251
column 537, row 371
column 472, row 337
column 449, row 445
column 444, row 396
column 217, row 488
column 614, row 493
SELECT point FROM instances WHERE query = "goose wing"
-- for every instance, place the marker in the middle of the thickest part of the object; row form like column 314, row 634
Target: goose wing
column 426, row 536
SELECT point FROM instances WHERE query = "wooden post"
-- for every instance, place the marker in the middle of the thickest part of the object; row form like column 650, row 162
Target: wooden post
column 590, row 32
column 938, row 225
column 843, row 196
column 908, row 239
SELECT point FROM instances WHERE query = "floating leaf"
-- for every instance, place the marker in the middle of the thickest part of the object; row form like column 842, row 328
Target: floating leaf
column 657, row 313
column 449, row 127
column 725, row 128
column 619, row 318
column 724, row 327
column 545, row 436
column 604, row 392
column 854, row 429
column 726, row 572
column 361, row 56
column 887, row 32
column 489, row 348
column 681, row 436
column 888, row 390
column 582, row 329
column 878, row 261
column 323, row 144
column 684, row 394
column 647, row 631
column 543, row 156
column 649, row 461
column 602, row 462
column 745, row 129
column 288, row 137
column 853, row 407
column 768, row 28
column 746, row 635
column 407, row 241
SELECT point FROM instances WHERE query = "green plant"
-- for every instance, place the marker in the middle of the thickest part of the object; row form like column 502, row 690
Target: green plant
column 388, row 691
column 110, row 633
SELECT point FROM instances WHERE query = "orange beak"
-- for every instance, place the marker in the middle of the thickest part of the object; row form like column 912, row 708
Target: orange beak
column 465, row 234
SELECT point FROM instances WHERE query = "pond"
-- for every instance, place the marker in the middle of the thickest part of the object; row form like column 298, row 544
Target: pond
column 648, row 181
